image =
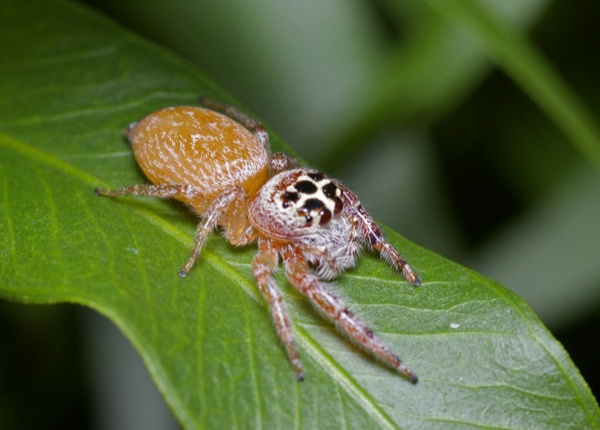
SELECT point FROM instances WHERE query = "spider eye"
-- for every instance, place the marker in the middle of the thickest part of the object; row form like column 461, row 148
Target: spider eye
column 303, row 212
column 325, row 216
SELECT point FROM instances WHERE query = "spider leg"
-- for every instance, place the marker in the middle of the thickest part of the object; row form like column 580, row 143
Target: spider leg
column 389, row 253
column 372, row 233
column 234, row 113
column 238, row 229
column 298, row 273
column 163, row 191
column 326, row 266
column 264, row 263
column 281, row 162
column 210, row 219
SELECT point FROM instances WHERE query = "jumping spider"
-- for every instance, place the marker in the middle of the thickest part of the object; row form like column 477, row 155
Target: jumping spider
column 220, row 165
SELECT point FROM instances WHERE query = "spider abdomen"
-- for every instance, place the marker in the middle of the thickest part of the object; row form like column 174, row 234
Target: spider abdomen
column 200, row 148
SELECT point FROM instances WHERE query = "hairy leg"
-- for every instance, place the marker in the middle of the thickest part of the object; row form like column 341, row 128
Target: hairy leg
column 161, row 191
column 373, row 235
column 264, row 263
column 281, row 162
column 238, row 229
column 298, row 273
column 210, row 220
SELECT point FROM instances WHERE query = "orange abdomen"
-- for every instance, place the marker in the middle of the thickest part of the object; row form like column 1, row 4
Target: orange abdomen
column 200, row 148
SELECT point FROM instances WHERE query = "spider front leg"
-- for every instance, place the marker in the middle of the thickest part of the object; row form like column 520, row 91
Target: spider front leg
column 264, row 263
column 298, row 273
column 373, row 235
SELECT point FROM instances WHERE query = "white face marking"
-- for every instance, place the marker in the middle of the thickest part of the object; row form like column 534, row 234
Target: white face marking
column 312, row 197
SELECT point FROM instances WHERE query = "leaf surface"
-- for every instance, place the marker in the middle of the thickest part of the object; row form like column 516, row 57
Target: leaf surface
column 69, row 83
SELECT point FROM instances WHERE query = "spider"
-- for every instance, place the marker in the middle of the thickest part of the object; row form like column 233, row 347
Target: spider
column 217, row 160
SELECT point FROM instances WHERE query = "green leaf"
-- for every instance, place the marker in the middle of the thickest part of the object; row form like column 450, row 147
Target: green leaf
column 69, row 82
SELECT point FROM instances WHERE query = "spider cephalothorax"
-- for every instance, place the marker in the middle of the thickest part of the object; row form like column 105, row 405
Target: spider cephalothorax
column 314, row 224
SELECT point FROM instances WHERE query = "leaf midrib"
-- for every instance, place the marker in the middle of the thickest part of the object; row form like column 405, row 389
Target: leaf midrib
column 318, row 354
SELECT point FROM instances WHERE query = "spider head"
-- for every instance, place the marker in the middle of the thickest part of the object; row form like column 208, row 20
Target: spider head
column 296, row 203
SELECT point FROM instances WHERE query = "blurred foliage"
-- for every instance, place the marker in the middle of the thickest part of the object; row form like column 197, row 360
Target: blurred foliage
column 436, row 123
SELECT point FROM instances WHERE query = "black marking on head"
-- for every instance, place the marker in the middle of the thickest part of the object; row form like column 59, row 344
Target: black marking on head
column 334, row 193
column 306, row 187
column 310, row 209
column 316, row 176
column 289, row 198
column 314, row 198
column 313, row 204
column 330, row 190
